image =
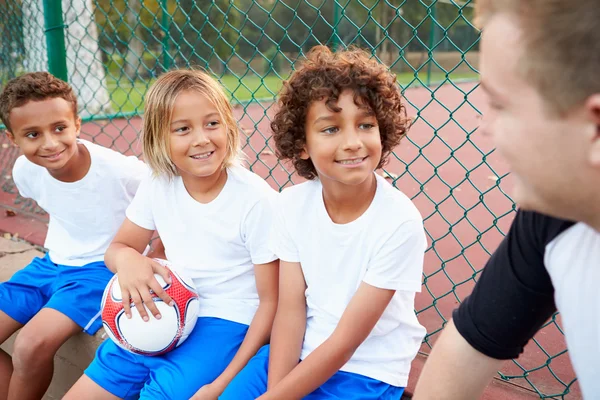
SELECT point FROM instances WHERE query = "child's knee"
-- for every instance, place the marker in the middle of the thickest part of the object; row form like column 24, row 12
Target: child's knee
column 33, row 348
column 29, row 350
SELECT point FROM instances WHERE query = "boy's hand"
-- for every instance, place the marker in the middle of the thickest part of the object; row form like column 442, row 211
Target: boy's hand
column 137, row 282
column 207, row 392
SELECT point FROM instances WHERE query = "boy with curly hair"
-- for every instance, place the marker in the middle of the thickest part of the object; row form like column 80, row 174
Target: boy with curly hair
column 351, row 246
column 85, row 188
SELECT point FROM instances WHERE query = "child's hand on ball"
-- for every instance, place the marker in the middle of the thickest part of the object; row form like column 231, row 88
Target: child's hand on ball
column 137, row 283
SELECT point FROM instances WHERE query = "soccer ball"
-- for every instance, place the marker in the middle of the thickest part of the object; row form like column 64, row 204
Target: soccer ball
column 157, row 336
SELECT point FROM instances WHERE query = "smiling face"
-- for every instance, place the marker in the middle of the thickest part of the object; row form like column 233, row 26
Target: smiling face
column 46, row 131
column 198, row 136
column 344, row 144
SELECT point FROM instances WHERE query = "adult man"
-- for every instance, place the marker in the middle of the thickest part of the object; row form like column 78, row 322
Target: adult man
column 539, row 68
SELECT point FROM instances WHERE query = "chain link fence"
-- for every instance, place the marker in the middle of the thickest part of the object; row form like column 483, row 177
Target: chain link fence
column 112, row 50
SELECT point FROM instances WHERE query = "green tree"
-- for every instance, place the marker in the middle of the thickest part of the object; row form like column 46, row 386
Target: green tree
column 206, row 32
column 12, row 50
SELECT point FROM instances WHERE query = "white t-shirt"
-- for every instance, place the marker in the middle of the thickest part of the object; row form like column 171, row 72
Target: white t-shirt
column 384, row 247
column 84, row 215
column 215, row 244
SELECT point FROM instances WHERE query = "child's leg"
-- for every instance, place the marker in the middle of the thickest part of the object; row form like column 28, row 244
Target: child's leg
column 348, row 386
column 8, row 326
column 22, row 297
column 198, row 361
column 176, row 375
column 33, row 354
column 71, row 297
column 85, row 388
column 114, row 373
column 251, row 382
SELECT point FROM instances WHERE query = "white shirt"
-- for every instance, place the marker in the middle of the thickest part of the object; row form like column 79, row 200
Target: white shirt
column 215, row 244
column 573, row 262
column 384, row 247
column 84, row 215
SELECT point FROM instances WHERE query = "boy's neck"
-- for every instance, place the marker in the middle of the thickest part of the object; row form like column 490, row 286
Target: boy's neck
column 76, row 168
column 344, row 203
column 205, row 189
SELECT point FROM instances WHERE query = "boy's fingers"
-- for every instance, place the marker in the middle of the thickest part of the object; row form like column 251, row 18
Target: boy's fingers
column 126, row 302
column 137, row 301
column 159, row 291
column 149, row 302
column 162, row 271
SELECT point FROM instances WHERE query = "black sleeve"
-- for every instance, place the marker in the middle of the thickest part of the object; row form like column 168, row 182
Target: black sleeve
column 514, row 295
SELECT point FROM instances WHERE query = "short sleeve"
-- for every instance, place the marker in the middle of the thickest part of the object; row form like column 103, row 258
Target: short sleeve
column 135, row 171
column 514, row 295
column 398, row 264
column 140, row 210
column 257, row 225
column 280, row 238
column 20, row 178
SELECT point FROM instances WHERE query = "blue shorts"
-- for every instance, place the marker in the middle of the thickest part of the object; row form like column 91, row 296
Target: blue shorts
column 176, row 375
column 73, row 291
column 251, row 382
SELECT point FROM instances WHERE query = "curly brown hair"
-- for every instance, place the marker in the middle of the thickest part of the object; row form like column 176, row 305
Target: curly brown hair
column 33, row 86
column 324, row 75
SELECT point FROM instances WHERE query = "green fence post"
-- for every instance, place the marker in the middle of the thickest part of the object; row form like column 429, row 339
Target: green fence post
column 165, row 28
column 431, row 42
column 337, row 17
column 54, row 30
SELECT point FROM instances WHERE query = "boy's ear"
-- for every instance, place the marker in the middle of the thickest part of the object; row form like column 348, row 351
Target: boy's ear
column 78, row 125
column 593, row 110
column 11, row 137
column 304, row 154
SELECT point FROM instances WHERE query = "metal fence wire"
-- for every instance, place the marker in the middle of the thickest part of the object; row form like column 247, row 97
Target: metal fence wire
column 110, row 51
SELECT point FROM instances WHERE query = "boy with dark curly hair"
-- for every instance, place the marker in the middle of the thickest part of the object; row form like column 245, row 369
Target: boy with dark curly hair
column 351, row 246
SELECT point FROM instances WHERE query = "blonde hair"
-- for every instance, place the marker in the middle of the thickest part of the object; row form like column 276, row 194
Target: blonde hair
column 561, row 41
column 158, row 113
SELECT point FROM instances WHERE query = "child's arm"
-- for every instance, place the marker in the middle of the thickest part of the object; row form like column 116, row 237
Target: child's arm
column 290, row 323
column 359, row 318
column 136, row 272
column 157, row 250
column 259, row 330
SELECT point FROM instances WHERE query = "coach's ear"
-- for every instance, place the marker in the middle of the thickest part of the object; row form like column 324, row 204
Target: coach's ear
column 592, row 106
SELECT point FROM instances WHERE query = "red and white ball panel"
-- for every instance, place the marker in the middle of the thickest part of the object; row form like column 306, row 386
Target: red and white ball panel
column 157, row 336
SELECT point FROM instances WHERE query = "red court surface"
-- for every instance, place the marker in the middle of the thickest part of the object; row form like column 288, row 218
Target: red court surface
column 454, row 177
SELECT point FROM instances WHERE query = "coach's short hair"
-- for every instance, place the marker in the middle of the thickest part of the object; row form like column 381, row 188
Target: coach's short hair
column 561, row 41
